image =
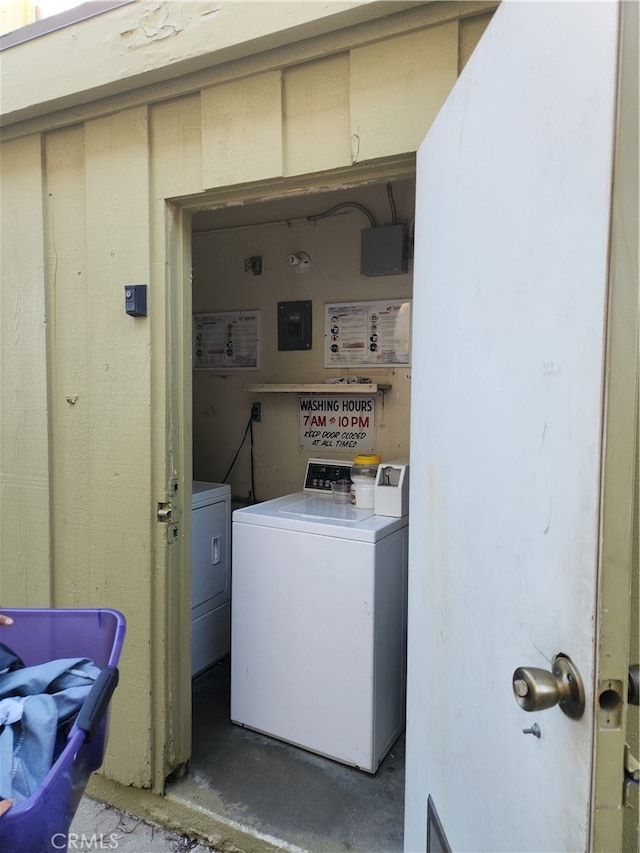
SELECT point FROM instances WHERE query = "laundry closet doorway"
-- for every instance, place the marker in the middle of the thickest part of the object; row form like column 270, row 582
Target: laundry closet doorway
column 226, row 239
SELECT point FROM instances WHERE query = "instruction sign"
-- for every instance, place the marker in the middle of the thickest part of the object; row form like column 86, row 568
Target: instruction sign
column 343, row 422
column 372, row 334
column 227, row 340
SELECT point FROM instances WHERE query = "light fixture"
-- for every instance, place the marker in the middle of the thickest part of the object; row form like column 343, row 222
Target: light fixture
column 300, row 261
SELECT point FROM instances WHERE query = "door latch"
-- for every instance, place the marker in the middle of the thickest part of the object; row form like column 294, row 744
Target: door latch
column 164, row 512
column 165, row 517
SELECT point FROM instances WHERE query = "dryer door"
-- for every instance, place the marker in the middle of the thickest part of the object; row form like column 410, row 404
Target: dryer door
column 210, row 549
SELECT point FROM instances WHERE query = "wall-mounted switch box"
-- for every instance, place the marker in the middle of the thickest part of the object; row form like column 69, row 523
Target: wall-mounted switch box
column 135, row 300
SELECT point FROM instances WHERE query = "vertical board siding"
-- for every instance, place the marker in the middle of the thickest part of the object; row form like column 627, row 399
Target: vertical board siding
column 176, row 148
column 316, row 116
column 242, row 130
column 24, row 433
column 118, row 485
column 397, row 89
column 70, row 319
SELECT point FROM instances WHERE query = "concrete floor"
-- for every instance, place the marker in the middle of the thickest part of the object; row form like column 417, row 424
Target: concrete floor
column 284, row 794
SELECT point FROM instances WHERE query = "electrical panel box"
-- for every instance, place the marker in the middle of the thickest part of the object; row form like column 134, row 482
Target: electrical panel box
column 294, row 325
column 384, row 250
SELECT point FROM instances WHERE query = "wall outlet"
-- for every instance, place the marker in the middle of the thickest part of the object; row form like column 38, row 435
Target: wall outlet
column 256, row 411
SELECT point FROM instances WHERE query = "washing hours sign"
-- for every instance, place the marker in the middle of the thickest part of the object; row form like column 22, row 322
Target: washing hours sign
column 344, row 422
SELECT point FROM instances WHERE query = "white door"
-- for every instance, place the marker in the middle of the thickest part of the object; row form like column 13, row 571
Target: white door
column 510, row 294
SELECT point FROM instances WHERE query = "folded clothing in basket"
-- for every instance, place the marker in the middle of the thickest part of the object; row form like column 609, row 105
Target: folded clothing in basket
column 37, row 707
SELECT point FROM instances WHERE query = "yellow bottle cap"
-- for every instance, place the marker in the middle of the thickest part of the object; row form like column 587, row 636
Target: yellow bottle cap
column 374, row 459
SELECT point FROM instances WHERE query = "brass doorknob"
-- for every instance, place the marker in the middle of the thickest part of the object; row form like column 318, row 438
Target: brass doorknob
column 536, row 689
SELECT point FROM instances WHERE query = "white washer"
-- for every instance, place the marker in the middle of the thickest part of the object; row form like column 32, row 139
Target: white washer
column 211, row 574
column 318, row 649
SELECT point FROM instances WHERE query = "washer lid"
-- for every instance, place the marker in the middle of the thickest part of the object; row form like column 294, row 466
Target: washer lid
column 315, row 508
column 319, row 515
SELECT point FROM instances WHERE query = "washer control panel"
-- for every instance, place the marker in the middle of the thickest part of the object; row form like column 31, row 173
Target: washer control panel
column 322, row 472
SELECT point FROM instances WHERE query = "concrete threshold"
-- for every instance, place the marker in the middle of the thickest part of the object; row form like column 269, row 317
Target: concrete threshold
column 183, row 816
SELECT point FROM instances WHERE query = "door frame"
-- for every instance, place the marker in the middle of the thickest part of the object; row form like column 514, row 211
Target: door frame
column 619, row 456
column 174, row 738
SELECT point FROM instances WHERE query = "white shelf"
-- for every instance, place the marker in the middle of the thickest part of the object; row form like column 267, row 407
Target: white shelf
column 321, row 388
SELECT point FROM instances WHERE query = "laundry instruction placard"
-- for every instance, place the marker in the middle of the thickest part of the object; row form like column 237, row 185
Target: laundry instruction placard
column 342, row 423
column 226, row 340
column 373, row 334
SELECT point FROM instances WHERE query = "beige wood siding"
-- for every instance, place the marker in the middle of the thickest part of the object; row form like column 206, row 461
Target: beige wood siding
column 176, row 148
column 24, row 448
column 70, row 319
column 140, row 43
column 242, row 131
column 96, row 206
column 119, row 364
column 397, row 88
column 315, row 122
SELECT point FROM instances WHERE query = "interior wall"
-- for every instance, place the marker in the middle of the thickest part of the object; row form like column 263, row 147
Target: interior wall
column 221, row 403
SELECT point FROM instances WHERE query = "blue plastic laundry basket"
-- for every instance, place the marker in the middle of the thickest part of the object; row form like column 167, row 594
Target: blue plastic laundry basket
column 41, row 823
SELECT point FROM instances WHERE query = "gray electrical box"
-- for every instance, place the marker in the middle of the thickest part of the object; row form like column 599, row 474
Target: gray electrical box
column 384, row 250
